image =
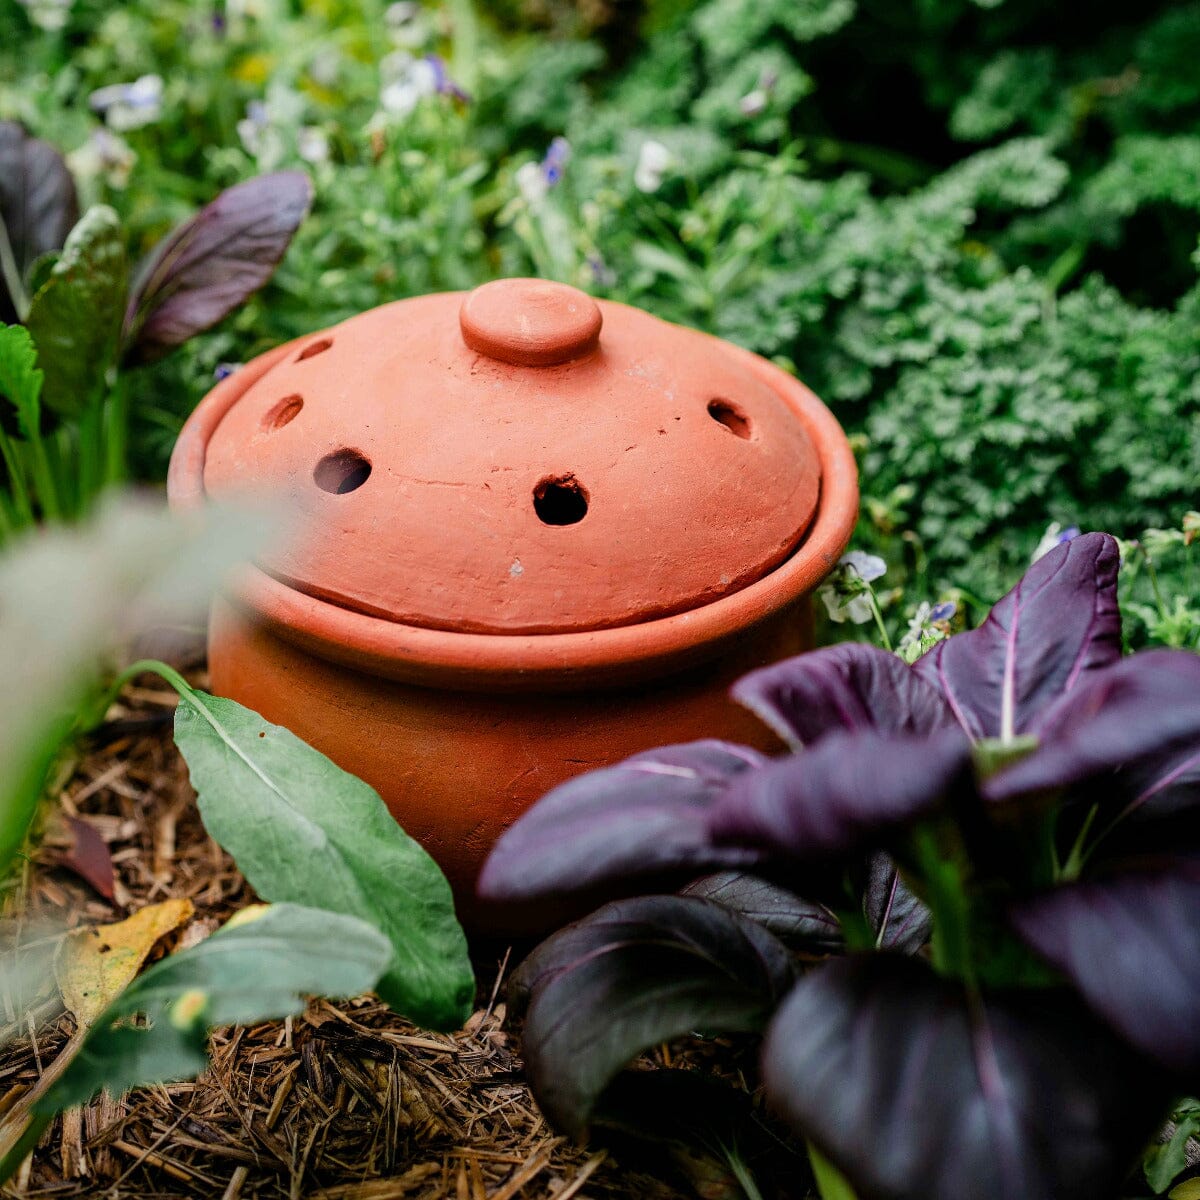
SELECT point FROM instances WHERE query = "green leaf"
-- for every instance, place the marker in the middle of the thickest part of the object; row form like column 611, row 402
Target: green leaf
column 1166, row 1161
column 76, row 315
column 39, row 271
column 255, row 969
column 20, row 377
column 302, row 829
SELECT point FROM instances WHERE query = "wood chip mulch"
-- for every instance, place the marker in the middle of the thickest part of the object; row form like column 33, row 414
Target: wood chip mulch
column 345, row 1102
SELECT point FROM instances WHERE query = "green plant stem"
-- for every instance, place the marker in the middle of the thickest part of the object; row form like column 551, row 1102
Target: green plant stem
column 91, row 452
column 1076, row 858
column 831, row 1183
column 116, row 430
column 947, row 901
column 16, row 479
column 878, row 615
column 741, row 1172
column 12, row 275
column 43, row 477
column 17, row 1153
column 1153, row 576
column 143, row 666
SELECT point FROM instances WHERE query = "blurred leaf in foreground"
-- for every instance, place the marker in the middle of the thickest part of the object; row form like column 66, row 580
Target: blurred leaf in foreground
column 67, row 597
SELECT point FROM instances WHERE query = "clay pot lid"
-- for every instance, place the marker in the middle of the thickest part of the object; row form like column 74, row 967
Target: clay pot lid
column 520, row 460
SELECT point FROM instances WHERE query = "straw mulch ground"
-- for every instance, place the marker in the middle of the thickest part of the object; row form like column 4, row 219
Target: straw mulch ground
column 347, row 1102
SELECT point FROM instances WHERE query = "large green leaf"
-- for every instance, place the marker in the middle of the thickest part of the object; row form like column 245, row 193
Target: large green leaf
column 302, row 829
column 254, row 969
column 20, row 378
column 76, row 315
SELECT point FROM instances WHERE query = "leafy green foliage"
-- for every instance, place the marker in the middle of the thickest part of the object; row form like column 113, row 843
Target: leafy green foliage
column 970, row 231
column 303, row 830
column 75, row 317
column 1166, row 1161
column 260, row 966
column 20, row 377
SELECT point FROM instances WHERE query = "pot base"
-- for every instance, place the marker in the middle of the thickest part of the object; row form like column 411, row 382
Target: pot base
column 456, row 768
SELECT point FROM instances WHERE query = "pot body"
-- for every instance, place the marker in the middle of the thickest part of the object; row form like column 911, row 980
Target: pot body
column 457, row 767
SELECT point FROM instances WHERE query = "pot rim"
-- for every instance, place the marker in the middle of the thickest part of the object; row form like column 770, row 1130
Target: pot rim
column 420, row 655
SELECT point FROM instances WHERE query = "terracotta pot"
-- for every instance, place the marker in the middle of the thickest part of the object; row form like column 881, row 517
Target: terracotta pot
column 542, row 533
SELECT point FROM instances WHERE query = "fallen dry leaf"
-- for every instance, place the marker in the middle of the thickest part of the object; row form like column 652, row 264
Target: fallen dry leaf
column 96, row 964
column 89, row 857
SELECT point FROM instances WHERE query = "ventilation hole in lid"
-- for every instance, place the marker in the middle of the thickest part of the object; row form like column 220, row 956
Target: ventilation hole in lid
column 732, row 417
column 341, row 472
column 288, row 409
column 318, row 347
column 560, row 500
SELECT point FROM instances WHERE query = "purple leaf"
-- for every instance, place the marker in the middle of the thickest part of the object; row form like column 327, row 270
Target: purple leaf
column 1130, row 732
column 642, row 818
column 38, row 203
column 918, row 1091
column 901, row 922
column 799, row 924
column 849, row 792
column 848, row 687
column 1131, row 944
column 1058, row 623
column 89, row 857
column 632, row 975
column 213, row 262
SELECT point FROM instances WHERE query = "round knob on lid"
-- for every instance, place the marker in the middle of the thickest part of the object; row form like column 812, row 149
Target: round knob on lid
column 530, row 322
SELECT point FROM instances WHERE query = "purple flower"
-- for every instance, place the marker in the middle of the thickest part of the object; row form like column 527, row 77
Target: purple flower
column 443, row 84
column 1055, row 535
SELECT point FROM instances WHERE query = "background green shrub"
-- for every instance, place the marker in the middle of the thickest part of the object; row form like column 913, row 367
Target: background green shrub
column 971, row 225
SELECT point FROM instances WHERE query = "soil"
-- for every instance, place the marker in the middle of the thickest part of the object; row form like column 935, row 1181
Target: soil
column 344, row 1102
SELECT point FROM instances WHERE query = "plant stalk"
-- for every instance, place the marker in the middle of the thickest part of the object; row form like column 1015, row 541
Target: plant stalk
column 831, row 1183
column 12, row 275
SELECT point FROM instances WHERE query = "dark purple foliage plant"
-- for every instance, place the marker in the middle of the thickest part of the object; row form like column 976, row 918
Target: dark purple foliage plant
column 73, row 314
column 964, row 912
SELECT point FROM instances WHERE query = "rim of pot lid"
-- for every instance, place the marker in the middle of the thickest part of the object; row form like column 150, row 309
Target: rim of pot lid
column 519, row 460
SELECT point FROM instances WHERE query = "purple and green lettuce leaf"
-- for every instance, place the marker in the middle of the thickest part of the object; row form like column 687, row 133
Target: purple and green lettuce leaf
column 644, row 819
column 1130, row 942
column 38, row 204
column 842, row 689
column 1127, row 739
column 800, row 924
column 630, row 976
column 1058, row 624
column 896, row 919
column 919, row 1090
column 850, row 792
column 213, row 262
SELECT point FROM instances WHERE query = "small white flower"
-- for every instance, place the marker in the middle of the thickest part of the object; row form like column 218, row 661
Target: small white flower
column 103, row 154
column 406, row 82
column 868, row 567
column 407, row 24
column 1054, row 536
column 326, row 66
column 753, row 103
column 312, row 144
column 126, row 106
column 654, row 160
column 50, row 15
column 846, row 594
column 531, row 183
column 856, row 608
